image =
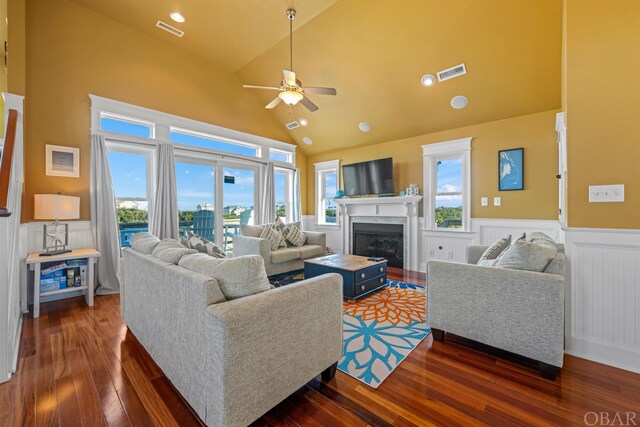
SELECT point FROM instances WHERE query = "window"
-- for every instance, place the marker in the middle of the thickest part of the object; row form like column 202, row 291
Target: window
column 283, row 183
column 447, row 175
column 327, row 179
column 279, row 156
column 125, row 125
column 205, row 141
column 129, row 174
column 195, row 185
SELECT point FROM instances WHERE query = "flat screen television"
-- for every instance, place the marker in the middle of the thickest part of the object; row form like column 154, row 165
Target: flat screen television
column 372, row 177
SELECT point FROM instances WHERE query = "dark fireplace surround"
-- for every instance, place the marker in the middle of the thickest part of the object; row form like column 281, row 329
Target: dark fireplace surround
column 379, row 240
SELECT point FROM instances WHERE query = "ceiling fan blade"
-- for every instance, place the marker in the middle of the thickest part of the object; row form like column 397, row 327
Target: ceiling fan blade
column 307, row 103
column 273, row 103
column 261, row 87
column 289, row 77
column 321, row 90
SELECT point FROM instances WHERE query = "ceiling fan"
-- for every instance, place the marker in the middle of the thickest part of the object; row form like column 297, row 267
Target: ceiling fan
column 291, row 89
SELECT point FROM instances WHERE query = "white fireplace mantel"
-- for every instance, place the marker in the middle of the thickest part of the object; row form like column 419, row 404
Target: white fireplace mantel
column 401, row 209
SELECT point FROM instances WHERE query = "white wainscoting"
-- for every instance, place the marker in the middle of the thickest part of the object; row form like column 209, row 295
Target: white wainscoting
column 488, row 230
column 603, row 309
column 79, row 237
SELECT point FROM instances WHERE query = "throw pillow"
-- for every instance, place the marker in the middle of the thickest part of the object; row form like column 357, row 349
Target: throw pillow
column 144, row 242
column 205, row 246
column 172, row 251
column 184, row 242
column 523, row 255
column 295, row 236
column 237, row 277
column 488, row 258
column 273, row 235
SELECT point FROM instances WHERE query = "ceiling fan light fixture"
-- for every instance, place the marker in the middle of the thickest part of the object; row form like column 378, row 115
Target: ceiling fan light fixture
column 290, row 97
column 428, row 80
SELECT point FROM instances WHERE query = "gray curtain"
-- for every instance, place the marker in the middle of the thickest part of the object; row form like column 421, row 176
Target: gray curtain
column 104, row 223
column 164, row 219
column 296, row 212
column 267, row 198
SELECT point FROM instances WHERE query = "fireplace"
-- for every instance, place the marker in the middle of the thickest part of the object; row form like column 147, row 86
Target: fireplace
column 379, row 240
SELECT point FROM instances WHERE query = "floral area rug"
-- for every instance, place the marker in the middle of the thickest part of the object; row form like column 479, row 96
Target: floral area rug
column 379, row 329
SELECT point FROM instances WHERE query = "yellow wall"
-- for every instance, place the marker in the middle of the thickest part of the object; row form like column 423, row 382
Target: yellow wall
column 73, row 52
column 16, row 73
column 603, row 109
column 534, row 132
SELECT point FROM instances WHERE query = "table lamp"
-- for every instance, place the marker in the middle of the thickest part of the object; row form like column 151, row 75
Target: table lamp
column 55, row 207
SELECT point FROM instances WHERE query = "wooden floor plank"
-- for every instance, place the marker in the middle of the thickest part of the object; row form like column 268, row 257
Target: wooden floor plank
column 81, row 366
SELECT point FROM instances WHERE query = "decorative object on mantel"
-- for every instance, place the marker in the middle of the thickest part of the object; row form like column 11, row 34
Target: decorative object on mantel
column 412, row 190
column 63, row 161
column 55, row 207
column 511, row 169
column 339, row 194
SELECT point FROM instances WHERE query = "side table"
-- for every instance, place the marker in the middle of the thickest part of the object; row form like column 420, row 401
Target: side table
column 35, row 261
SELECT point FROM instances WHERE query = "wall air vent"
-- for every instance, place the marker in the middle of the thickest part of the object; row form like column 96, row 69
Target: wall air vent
column 169, row 29
column 452, row 72
column 292, row 125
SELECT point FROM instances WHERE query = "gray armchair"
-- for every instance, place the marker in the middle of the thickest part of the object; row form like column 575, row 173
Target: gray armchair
column 518, row 311
column 281, row 260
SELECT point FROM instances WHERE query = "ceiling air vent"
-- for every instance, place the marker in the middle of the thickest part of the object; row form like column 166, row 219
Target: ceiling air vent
column 292, row 125
column 452, row 72
column 169, row 29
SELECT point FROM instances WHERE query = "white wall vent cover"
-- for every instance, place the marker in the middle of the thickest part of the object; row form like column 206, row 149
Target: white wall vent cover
column 292, row 125
column 452, row 72
column 169, row 29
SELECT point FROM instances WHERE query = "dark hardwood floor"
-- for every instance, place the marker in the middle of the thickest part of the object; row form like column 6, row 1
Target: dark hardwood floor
column 80, row 366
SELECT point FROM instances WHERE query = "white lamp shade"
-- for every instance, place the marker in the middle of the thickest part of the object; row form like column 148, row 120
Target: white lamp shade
column 56, row 206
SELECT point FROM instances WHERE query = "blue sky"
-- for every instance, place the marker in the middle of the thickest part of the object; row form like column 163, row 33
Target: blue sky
column 449, row 179
column 195, row 182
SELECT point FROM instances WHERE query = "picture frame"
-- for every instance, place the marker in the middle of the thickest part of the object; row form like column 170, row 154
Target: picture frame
column 511, row 169
column 62, row 161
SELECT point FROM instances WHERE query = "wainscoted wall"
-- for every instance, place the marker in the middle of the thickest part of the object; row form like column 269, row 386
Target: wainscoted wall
column 603, row 280
column 603, row 313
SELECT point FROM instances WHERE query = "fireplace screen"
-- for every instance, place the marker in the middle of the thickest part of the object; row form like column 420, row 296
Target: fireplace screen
column 379, row 240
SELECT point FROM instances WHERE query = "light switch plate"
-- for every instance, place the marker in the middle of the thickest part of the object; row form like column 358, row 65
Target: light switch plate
column 484, row 201
column 606, row 193
column 497, row 201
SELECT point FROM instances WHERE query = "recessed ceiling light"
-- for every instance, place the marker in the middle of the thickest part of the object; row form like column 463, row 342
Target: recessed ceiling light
column 364, row 126
column 176, row 16
column 303, row 121
column 428, row 80
column 307, row 140
column 459, row 102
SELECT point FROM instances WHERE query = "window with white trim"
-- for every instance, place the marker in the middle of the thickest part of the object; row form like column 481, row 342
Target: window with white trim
column 126, row 125
column 280, row 156
column 198, row 139
column 447, row 183
column 131, row 175
column 283, row 186
column 327, row 180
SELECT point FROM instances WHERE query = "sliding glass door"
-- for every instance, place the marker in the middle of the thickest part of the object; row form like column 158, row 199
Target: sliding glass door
column 238, row 200
column 196, row 185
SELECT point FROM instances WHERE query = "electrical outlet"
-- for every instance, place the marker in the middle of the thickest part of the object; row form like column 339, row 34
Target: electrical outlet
column 432, row 253
column 450, row 255
column 497, row 201
column 484, row 201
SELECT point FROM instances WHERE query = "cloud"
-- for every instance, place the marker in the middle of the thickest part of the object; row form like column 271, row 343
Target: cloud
column 449, row 188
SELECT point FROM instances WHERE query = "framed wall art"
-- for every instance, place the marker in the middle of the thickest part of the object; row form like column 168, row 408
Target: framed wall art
column 63, row 161
column 511, row 169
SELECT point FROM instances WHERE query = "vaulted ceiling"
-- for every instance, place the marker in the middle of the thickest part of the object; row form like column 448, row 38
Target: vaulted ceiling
column 374, row 53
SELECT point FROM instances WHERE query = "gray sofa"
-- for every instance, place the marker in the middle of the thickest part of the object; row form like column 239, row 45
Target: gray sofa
column 232, row 360
column 514, row 310
column 282, row 260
